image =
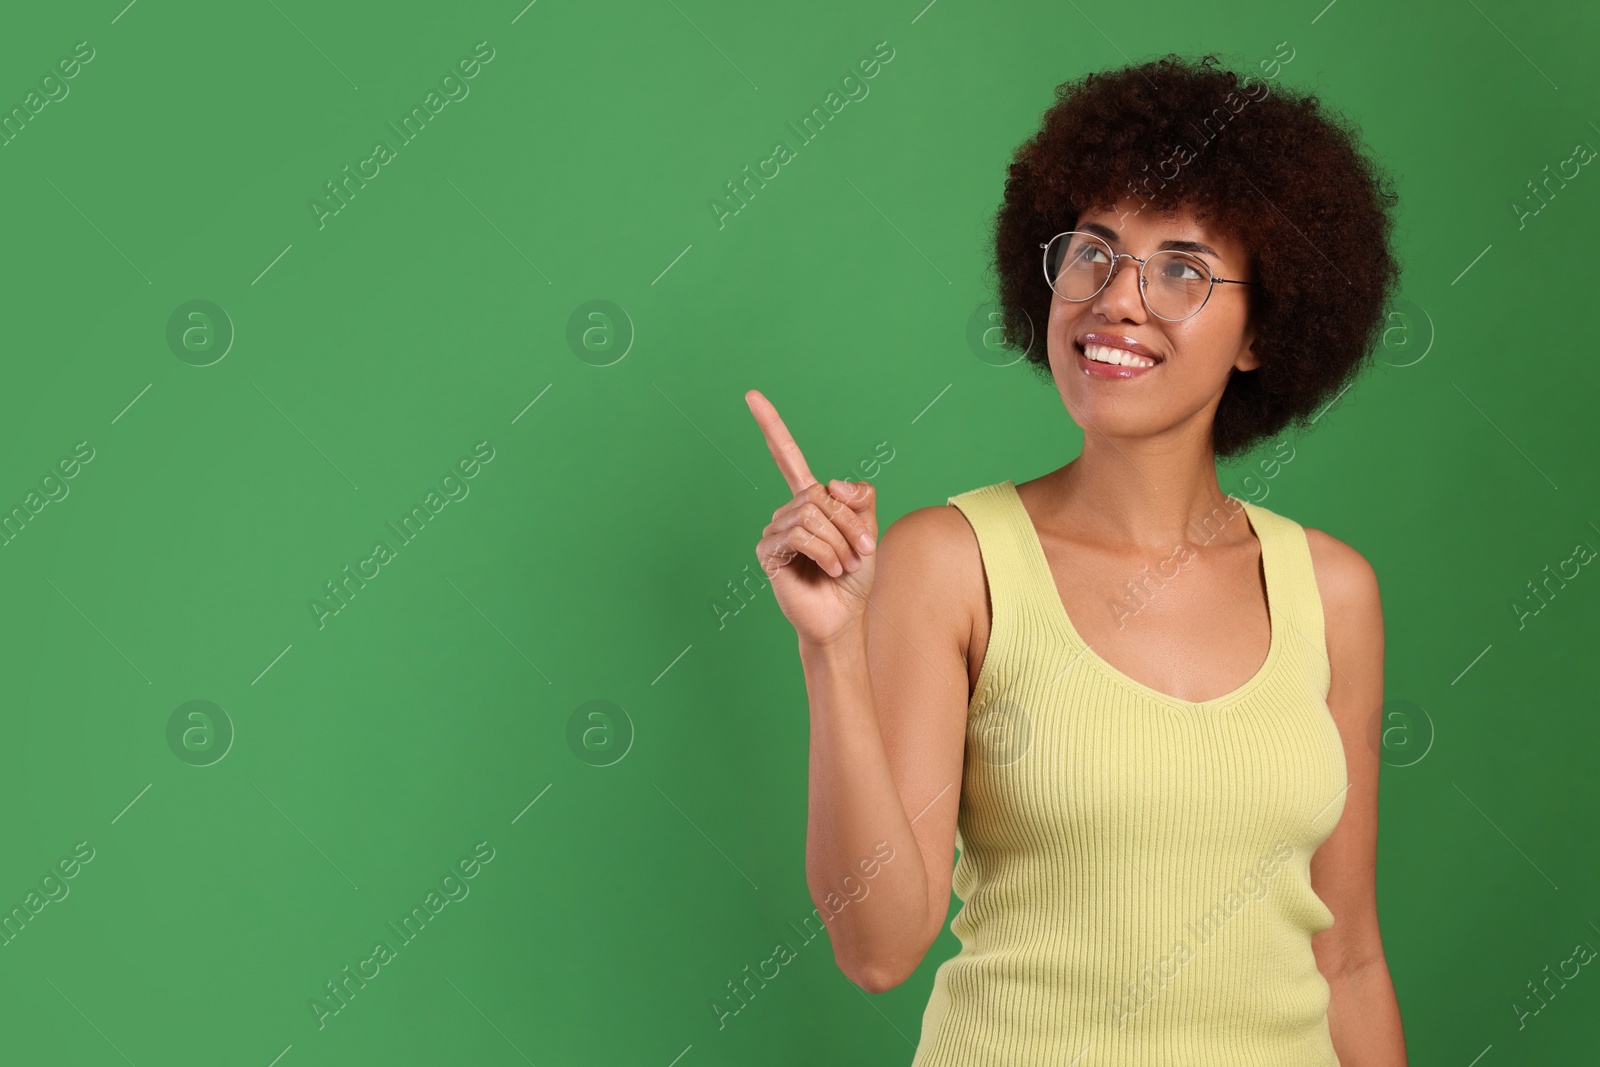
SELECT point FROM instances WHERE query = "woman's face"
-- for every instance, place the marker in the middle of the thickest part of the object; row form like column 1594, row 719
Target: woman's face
column 1194, row 356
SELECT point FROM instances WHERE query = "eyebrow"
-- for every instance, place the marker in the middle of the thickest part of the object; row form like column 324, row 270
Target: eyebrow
column 1182, row 246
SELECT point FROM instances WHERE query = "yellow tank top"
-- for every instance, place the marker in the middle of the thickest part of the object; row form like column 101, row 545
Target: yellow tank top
column 1134, row 869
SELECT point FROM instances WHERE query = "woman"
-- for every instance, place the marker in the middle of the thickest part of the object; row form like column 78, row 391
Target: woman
column 1138, row 705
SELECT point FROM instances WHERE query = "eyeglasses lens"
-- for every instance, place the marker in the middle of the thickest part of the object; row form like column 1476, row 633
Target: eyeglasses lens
column 1077, row 266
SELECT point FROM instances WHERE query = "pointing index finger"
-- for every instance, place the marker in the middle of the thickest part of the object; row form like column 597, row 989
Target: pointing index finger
column 780, row 442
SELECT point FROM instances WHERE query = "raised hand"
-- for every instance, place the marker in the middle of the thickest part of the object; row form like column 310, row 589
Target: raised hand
column 818, row 550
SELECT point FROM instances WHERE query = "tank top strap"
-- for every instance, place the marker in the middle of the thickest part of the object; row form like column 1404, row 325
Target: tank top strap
column 1022, row 593
column 1288, row 553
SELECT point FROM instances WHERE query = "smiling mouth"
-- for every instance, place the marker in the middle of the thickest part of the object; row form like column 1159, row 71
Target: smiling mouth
column 1106, row 358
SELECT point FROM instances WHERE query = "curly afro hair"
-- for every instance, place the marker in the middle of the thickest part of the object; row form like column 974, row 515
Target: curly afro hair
column 1271, row 169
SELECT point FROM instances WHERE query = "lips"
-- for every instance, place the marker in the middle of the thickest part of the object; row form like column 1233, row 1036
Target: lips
column 1137, row 367
column 1116, row 357
column 1117, row 340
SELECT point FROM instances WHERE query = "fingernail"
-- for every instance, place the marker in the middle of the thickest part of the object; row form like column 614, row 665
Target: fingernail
column 865, row 540
column 844, row 489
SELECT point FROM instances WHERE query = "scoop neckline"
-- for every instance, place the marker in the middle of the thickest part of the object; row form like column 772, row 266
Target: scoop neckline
column 1058, row 613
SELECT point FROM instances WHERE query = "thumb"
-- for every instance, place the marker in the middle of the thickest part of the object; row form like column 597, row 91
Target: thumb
column 860, row 496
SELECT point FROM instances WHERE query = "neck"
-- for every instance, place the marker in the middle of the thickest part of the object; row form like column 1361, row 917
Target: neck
column 1145, row 492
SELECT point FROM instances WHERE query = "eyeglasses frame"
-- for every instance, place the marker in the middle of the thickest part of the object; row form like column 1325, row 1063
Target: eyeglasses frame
column 1144, row 282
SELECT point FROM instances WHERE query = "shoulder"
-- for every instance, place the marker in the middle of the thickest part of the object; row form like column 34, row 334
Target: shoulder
column 936, row 541
column 929, row 558
column 1347, row 586
column 1352, row 616
column 1353, row 640
column 940, row 535
column 1346, row 581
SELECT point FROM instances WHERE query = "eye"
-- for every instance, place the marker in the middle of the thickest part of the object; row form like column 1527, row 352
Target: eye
column 1181, row 269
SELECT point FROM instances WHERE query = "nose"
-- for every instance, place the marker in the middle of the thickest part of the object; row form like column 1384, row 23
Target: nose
column 1121, row 299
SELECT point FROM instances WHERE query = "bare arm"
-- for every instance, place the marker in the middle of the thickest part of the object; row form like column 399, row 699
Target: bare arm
column 884, row 660
column 888, row 722
column 1363, row 1013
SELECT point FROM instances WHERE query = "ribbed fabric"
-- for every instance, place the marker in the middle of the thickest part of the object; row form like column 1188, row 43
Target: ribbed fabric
column 1134, row 869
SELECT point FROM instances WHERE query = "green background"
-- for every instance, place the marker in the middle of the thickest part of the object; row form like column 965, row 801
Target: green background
column 592, row 557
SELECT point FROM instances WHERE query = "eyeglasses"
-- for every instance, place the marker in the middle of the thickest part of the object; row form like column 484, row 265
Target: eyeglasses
column 1174, row 285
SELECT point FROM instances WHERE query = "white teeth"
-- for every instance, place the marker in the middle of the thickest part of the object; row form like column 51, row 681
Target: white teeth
column 1120, row 356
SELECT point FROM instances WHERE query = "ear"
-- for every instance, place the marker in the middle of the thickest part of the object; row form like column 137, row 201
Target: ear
column 1247, row 358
